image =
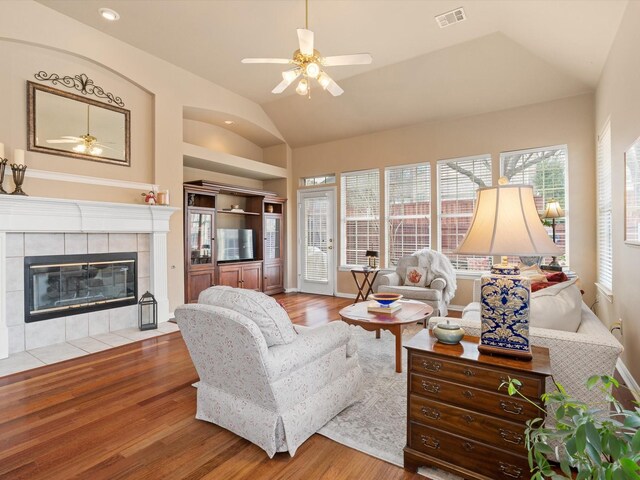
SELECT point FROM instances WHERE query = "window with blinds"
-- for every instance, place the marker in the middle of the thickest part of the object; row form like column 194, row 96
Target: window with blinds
column 458, row 180
column 603, row 192
column 316, row 236
column 408, row 210
column 360, row 219
column 321, row 180
column 545, row 169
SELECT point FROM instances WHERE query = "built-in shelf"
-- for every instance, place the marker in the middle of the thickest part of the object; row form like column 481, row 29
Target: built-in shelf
column 195, row 156
column 238, row 213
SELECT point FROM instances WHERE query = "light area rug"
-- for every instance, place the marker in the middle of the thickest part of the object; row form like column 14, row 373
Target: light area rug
column 377, row 424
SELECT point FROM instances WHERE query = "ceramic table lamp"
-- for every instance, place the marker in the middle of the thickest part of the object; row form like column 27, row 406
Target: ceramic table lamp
column 506, row 222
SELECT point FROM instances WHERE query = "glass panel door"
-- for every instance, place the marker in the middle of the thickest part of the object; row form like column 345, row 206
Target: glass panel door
column 200, row 238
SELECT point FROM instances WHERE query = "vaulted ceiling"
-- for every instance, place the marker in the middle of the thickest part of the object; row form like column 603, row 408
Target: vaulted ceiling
column 506, row 54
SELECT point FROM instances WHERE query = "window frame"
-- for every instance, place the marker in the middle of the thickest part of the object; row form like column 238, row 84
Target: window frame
column 343, row 265
column 604, row 166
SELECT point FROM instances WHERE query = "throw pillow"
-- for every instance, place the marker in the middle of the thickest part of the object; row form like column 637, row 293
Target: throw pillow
column 558, row 307
column 416, row 276
column 268, row 315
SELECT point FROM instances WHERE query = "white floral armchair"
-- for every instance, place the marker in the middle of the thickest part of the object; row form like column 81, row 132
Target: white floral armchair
column 267, row 382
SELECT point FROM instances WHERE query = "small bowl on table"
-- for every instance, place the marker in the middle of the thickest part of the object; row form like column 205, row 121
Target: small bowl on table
column 385, row 299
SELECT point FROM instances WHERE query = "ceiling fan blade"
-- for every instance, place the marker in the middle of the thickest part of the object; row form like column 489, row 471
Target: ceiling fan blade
column 334, row 89
column 355, row 59
column 282, row 86
column 266, row 60
column 305, row 38
column 62, row 141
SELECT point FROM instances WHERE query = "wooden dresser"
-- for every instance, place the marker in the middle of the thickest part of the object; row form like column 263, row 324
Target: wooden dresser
column 458, row 420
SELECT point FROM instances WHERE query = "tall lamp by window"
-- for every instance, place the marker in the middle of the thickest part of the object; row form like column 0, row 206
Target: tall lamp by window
column 553, row 210
column 506, row 222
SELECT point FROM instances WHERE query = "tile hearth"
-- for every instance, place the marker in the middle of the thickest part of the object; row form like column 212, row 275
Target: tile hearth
column 39, row 357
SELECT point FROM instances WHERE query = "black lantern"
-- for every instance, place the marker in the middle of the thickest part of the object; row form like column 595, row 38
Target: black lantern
column 147, row 312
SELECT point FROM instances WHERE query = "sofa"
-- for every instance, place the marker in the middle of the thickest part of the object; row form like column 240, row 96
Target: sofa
column 575, row 356
column 261, row 377
column 431, row 294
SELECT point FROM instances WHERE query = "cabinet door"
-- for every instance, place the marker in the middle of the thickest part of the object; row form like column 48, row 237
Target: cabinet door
column 273, row 237
column 252, row 276
column 198, row 281
column 200, row 237
column 273, row 277
column 230, row 275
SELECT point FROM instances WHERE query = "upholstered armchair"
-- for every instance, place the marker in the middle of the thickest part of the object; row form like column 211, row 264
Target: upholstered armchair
column 261, row 378
column 432, row 293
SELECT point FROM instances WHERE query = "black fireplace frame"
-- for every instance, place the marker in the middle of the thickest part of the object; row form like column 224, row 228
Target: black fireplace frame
column 84, row 258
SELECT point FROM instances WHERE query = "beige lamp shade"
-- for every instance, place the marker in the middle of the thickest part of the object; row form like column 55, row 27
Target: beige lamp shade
column 506, row 222
column 553, row 210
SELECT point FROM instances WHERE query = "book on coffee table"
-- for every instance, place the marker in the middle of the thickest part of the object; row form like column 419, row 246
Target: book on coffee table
column 375, row 307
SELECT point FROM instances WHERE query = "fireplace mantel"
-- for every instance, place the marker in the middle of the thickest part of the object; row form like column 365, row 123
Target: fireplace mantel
column 52, row 215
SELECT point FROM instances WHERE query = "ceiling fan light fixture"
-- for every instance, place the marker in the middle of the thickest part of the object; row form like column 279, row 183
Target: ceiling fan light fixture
column 95, row 151
column 80, row 148
column 324, row 80
column 303, row 87
column 312, row 70
column 291, row 75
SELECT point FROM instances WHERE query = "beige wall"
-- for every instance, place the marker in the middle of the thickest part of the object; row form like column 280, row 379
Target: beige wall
column 618, row 98
column 567, row 121
column 169, row 88
column 220, row 140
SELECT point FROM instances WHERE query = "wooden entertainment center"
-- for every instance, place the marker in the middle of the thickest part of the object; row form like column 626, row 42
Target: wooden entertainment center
column 258, row 264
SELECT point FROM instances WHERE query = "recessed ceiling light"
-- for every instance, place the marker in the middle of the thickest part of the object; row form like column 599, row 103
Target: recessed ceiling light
column 229, row 122
column 109, row 14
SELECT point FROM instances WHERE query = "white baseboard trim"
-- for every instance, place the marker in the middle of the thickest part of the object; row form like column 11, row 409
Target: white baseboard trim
column 628, row 379
column 345, row 295
column 107, row 182
column 291, row 290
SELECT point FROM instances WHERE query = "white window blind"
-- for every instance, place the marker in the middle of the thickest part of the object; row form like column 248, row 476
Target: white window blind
column 545, row 169
column 603, row 188
column 360, row 219
column 458, row 180
column 316, row 239
column 408, row 210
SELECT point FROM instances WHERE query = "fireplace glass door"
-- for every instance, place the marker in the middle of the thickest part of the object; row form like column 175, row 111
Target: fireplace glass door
column 70, row 284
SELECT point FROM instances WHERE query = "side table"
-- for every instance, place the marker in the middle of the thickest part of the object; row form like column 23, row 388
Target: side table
column 458, row 420
column 366, row 286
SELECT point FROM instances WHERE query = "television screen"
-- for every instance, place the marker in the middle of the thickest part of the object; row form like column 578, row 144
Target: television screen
column 234, row 244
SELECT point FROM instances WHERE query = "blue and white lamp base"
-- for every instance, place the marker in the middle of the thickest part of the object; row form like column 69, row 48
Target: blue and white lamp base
column 504, row 312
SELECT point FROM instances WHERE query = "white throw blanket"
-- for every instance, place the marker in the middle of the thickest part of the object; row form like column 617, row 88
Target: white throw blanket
column 438, row 266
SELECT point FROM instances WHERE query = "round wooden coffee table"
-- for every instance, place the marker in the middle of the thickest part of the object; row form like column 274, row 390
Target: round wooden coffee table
column 412, row 311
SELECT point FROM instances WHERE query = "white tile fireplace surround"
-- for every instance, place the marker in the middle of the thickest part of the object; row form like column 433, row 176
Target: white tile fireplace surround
column 33, row 226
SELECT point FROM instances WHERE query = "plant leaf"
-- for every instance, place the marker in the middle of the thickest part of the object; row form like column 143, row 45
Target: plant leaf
column 635, row 443
column 591, row 382
column 593, row 435
column 581, row 438
column 632, row 421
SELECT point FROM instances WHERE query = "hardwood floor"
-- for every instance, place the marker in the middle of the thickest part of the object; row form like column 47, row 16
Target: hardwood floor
column 129, row 413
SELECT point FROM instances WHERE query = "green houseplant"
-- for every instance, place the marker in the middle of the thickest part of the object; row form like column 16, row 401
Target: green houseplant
column 591, row 442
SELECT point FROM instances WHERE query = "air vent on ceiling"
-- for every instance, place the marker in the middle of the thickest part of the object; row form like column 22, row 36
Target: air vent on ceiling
column 449, row 18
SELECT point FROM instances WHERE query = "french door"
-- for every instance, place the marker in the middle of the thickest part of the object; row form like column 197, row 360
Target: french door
column 317, row 245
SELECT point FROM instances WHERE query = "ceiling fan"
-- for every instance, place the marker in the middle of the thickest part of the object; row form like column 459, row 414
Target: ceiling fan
column 308, row 63
column 86, row 143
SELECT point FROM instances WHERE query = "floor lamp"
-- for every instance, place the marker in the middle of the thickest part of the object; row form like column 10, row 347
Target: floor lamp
column 506, row 222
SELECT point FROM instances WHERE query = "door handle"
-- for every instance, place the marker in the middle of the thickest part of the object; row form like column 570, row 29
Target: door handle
column 330, row 247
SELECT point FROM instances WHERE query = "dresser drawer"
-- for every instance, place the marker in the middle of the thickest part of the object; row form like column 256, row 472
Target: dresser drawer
column 493, row 403
column 478, row 426
column 472, row 374
column 462, row 452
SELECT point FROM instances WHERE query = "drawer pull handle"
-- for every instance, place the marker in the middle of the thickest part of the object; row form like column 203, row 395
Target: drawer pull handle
column 467, row 446
column 468, row 372
column 510, row 470
column 468, row 418
column 430, row 442
column 506, row 380
column 511, row 407
column 511, row 437
column 431, row 365
column 430, row 386
column 431, row 412
column 468, row 394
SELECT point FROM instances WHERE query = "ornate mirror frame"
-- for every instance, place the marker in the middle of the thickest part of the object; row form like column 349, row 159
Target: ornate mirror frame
column 32, row 127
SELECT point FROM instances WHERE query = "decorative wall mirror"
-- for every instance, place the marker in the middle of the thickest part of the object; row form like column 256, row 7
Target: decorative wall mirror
column 632, row 194
column 62, row 123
